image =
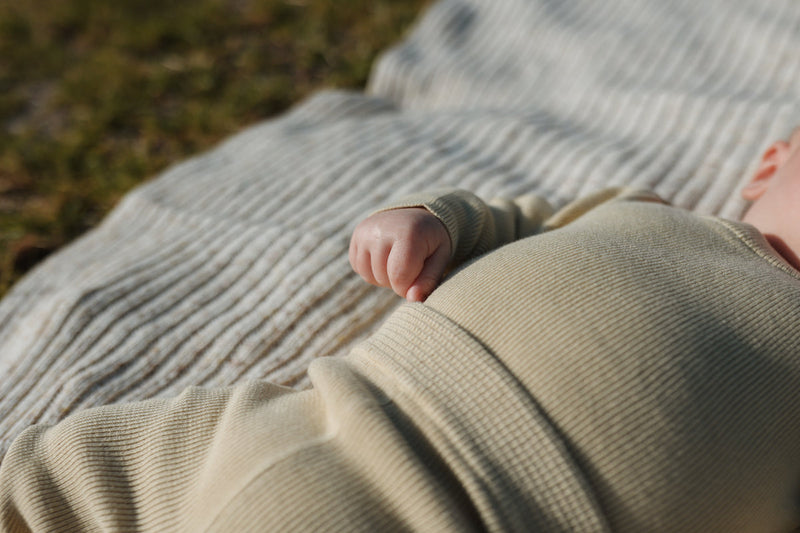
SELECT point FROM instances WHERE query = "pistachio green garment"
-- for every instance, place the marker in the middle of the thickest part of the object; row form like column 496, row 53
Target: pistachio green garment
column 630, row 367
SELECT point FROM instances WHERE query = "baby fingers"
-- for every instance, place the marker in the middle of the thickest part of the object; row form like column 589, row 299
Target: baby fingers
column 429, row 277
column 379, row 255
column 405, row 262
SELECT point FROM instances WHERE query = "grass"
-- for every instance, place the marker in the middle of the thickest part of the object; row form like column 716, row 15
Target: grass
column 97, row 96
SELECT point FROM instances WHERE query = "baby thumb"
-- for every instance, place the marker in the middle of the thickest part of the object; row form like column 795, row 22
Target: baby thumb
column 430, row 275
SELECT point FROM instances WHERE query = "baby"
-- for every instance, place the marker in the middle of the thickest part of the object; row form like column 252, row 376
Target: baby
column 629, row 367
column 663, row 346
column 408, row 250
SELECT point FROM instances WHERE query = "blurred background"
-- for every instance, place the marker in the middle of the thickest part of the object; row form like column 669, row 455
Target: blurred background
column 97, row 96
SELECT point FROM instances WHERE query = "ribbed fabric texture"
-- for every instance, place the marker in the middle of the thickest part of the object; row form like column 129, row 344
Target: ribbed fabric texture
column 232, row 265
column 665, row 349
column 633, row 370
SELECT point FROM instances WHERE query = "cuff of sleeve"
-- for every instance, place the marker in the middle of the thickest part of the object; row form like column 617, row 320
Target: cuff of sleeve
column 463, row 214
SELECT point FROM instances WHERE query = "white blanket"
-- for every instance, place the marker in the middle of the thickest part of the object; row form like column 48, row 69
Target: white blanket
column 232, row 265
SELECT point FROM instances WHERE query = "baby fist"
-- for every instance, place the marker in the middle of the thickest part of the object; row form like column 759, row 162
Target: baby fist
column 406, row 250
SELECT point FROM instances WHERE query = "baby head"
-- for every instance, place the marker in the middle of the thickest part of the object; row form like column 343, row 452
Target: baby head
column 775, row 192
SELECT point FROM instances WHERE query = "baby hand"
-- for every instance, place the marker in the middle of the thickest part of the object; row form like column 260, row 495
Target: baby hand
column 405, row 249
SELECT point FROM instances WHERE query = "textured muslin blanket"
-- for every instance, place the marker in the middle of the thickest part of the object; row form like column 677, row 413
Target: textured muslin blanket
column 233, row 265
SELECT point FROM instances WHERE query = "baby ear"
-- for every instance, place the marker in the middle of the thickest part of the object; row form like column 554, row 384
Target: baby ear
column 770, row 162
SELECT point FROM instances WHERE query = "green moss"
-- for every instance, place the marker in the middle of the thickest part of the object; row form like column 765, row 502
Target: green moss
column 97, row 96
